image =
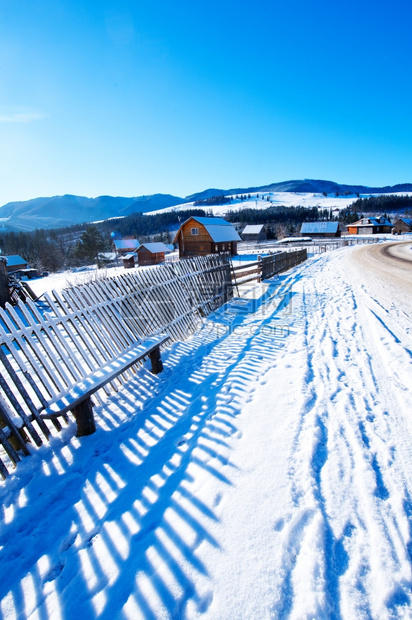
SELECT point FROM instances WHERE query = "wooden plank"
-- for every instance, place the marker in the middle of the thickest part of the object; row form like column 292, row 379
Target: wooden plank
column 3, row 470
column 11, row 429
column 28, row 401
column 14, row 457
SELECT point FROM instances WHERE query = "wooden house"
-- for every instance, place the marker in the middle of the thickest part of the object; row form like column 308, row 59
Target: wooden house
column 317, row 230
column 369, row 226
column 403, row 225
column 129, row 260
column 254, row 233
column 126, row 246
column 15, row 263
column 152, row 253
column 199, row 236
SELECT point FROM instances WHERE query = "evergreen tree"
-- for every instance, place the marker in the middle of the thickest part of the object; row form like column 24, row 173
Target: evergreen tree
column 91, row 244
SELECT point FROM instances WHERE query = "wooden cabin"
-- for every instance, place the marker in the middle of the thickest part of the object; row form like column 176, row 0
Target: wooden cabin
column 199, row 236
column 15, row 263
column 369, row 226
column 403, row 225
column 317, row 230
column 254, row 233
column 129, row 260
column 152, row 253
column 126, row 246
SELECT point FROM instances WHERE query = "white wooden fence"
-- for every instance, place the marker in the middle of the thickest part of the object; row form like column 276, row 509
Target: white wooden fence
column 42, row 352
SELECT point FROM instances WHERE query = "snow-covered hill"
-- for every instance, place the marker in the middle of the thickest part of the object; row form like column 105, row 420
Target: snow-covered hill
column 267, row 473
column 263, row 200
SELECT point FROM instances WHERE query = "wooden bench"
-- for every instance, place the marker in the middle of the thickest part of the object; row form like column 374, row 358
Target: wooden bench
column 78, row 400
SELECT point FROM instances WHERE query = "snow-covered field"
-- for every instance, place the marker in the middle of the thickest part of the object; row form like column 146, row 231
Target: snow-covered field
column 276, row 199
column 266, row 473
column 263, row 200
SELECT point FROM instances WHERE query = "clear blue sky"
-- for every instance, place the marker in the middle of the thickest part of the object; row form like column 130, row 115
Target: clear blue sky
column 131, row 98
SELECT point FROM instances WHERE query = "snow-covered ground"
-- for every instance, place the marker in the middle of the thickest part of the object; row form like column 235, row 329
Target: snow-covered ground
column 263, row 200
column 266, row 473
column 276, row 199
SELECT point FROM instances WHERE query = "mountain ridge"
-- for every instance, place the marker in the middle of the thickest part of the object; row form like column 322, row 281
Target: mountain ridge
column 69, row 209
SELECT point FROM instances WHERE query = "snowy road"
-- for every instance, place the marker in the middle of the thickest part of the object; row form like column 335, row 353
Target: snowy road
column 391, row 263
column 267, row 473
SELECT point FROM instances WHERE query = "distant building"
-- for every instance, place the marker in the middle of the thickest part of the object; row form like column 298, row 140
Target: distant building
column 152, row 253
column 199, row 236
column 254, row 233
column 320, row 229
column 107, row 257
column 129, row 260
column 15, row 263
column 126, row 246
column 403, row 225
column 370, row 226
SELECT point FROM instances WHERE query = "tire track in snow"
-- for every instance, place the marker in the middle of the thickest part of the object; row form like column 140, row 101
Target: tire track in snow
column 339, row 467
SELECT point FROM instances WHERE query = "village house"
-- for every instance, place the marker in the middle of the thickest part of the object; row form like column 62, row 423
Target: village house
column 369, row 226
column 320, row 229
column 129, row 260
column 255, row 233
column 199, row 236
column 15, row 263
column 403, row 225
column 152, row 253
column 125, row 246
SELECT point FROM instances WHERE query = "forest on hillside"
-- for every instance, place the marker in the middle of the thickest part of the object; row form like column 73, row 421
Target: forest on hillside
column 383, row 203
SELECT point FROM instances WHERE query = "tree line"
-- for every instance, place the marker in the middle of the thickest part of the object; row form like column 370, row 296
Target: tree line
column 383, row 202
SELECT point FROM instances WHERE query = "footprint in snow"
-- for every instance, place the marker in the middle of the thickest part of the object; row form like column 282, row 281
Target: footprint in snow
column 217, row 500
column 279, row 525
column 67, row 543
column 54, row 572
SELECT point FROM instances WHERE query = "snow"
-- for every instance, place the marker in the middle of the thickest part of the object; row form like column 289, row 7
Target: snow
column 264, row 200
column 266, row 473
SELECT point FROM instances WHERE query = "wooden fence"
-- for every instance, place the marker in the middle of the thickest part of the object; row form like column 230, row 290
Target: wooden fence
column 39, row 347
column 45, row 349
column 268, row 266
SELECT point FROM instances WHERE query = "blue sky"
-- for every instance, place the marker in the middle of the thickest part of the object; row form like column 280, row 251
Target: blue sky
column 131, row 98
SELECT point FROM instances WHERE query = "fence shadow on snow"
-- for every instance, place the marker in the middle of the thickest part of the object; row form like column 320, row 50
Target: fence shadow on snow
column 119, row 519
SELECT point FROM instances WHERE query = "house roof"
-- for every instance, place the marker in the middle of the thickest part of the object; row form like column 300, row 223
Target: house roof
column 154, row 248
column 406, row 220
column 370, row 221
column 129, row 256
column 126, row 244
column 210, row 221
column 221, row 234
column 107, row 255
column 254, row 229
column 310, row 228
column 14, row 260
column 219, row 229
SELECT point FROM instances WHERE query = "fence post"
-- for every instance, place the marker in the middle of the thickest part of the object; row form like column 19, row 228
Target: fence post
column 4, row 283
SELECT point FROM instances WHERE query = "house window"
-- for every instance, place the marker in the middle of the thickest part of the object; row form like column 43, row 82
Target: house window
column 216, row 248
column 195, row 231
